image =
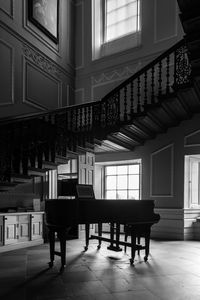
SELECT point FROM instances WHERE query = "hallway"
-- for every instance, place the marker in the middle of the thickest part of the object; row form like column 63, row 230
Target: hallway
column 172, row 272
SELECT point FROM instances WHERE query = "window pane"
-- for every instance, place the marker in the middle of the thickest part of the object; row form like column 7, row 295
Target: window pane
column 111, row 195
column 133, row 194
column 134, row 169
column 133, row 182
column 121, row 194
column 111, row 170
column 111, row 182
column 122, row 182
column 122, row 18
column 122, row 170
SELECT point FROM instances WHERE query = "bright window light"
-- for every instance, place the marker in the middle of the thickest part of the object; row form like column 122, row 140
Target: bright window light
column 122, row 17
column 123, row 181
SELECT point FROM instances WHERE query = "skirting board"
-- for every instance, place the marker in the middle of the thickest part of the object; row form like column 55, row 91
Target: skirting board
column 21, row 245
column 175, row 224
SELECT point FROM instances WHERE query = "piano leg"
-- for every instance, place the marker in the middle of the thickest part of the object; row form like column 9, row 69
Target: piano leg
column 87, row 236
column 62, row 237
column 147, row 243
column 52, row 246
column 99, row 234
column 133, row 245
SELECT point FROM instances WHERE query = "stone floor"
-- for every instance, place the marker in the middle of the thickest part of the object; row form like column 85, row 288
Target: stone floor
column 172, row 272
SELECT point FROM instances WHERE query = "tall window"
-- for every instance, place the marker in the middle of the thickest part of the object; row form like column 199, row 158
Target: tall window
column 123, row 181
column 121, row 17
column 116, row 26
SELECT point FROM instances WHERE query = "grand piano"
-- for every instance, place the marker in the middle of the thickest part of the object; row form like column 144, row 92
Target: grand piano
column 62, row 214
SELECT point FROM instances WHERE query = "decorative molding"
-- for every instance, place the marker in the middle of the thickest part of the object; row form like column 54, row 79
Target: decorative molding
column 82, row 34
column 41, row 61
column 11, row 87
column 33, row 102
column 171, row 176
column 115, row 75
column 156, row 40
column 187, row 142
column 21, row 38
column 7, row 12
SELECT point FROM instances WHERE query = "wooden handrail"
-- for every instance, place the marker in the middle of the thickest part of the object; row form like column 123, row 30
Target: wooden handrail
column 145, row 69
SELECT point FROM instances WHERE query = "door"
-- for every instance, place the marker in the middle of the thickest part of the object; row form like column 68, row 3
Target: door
column 86, row 164
column 194, row 182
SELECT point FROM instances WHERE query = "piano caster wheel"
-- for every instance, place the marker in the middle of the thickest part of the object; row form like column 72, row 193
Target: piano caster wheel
column 99, row 247
column 86, row 248
column 145, row 258
column 50, row 264
column 131, row 261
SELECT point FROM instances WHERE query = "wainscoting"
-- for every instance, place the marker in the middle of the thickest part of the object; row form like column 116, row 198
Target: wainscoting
column 177, row 224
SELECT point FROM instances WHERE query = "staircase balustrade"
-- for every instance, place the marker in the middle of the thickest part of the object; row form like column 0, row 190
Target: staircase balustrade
column 30, row 139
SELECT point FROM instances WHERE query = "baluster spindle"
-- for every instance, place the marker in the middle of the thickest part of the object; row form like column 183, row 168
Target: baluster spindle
column 125, row 103
column 175, row 68
column 81, row 118
column 167, row 74
column 71, row 120
column 138, row 95
column 145, row 88
column 118, row 105
column 132, row 98
column 76, row 120
column 160, row 78
column 85, row 118
column 152, row 85
column 89, row 118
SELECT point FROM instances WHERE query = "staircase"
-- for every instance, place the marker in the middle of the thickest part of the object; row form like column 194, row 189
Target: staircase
column 159, row 96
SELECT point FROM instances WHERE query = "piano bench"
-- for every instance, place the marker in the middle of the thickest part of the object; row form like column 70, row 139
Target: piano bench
column 137, row 232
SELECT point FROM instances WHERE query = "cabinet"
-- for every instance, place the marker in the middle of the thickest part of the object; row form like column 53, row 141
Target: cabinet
column 36, row 226
column 11, row 226
column 24, row 227
column 19, row 230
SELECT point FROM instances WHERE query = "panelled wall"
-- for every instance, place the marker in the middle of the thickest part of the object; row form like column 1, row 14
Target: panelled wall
column 36, row 73
column 163, row 177
column 161, row 28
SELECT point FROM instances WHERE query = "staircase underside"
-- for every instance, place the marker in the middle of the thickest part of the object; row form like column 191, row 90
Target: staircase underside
column 156, row 119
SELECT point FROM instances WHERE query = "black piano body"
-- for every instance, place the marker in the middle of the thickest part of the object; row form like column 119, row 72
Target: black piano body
column 137, row 215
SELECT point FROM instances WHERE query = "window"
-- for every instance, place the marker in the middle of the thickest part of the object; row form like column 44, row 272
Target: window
column 121, row 17
column 123, row 181
column 116, row 26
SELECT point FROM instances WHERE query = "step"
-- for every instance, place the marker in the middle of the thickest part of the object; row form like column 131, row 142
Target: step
column 187, row 5
column 36, row 172
column 48, row 165
column 191, row 26
column 20, row 178
column 6, row 186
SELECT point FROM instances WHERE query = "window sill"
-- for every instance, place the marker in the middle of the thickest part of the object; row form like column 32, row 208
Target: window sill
column 119, row 46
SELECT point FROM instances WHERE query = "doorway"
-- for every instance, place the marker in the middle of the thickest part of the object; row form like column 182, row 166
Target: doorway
column 192, row 181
